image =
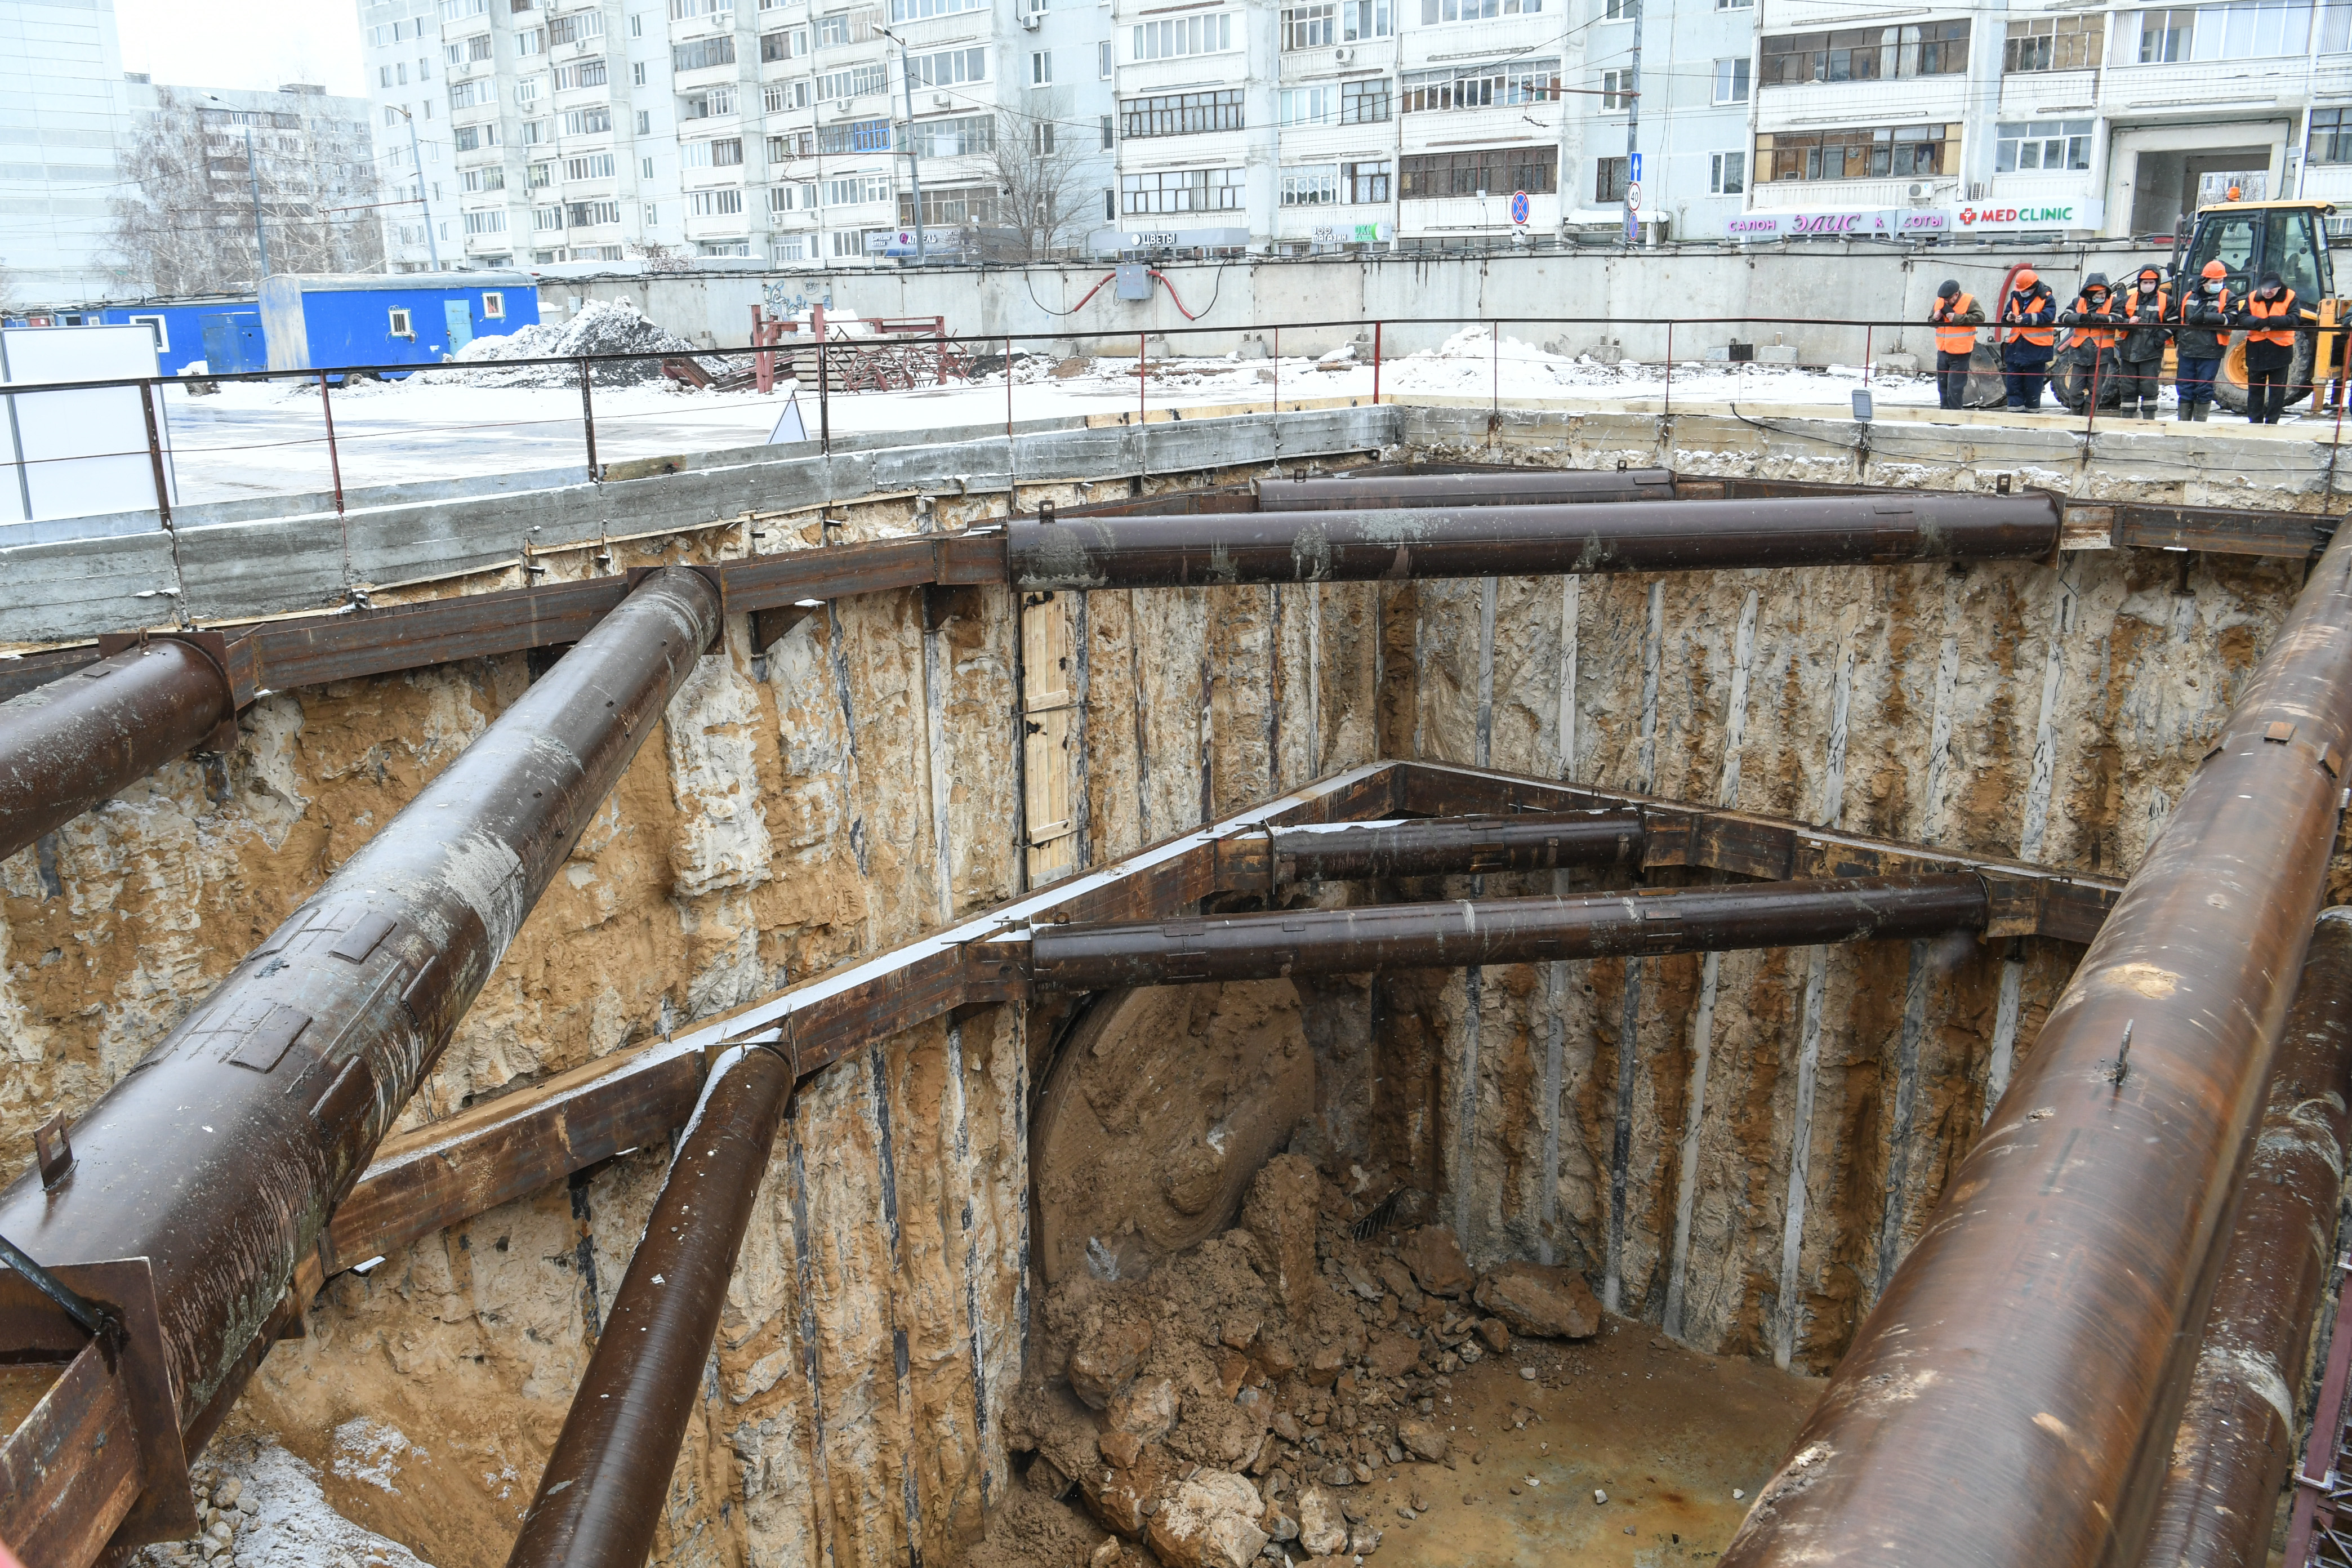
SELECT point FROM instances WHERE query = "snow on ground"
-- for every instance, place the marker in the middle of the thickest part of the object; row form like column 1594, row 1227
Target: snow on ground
column 264, row 439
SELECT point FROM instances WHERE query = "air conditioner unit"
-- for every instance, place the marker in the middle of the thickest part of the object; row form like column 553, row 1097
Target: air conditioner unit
column 1032, row 21
column 1343, row 56
column 1918, row 194
column 940, row 100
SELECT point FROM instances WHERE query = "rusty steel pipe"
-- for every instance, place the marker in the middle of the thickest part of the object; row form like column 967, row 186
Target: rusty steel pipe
column 1460, row 845
column 2014, row 1396
column 85, row 737
column 220, row 1154
column 1348, row 546
column 1505, row 931
column 600, row 1496
column 1521, row 487
column 2237, row 1437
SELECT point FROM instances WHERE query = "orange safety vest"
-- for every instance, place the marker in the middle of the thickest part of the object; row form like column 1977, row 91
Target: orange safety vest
column 2103, row 337
column 2282, row 337
column 1954, row 336
column 2041, row 337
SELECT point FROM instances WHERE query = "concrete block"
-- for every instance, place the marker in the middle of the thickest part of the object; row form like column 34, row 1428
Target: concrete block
column 1776, row 353
column 1905, row 364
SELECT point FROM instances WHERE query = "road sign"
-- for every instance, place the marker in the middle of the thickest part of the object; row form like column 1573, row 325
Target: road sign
column 1633, row 196
column 1633, row 172
column 1519, row 206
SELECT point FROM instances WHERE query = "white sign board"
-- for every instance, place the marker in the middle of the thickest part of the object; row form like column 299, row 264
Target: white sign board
column 77, row 453
column 2070, row 213
column 1867, row 222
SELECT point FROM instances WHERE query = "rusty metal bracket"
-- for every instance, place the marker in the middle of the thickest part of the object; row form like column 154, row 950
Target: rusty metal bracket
column 234, row 661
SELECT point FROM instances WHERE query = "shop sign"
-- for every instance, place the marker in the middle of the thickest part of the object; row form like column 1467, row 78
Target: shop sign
column 2031, row 214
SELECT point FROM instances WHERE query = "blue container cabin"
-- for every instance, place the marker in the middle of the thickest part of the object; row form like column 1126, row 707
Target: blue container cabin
column 326, row 322
column 224, row 334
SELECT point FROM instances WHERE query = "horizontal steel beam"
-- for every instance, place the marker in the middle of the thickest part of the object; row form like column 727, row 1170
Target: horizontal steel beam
column 1461, row 845
column 1503, row 931
column 1396, row 543
column 1501, row 487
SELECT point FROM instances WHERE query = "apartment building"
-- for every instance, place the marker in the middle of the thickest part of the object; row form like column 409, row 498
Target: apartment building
column 64, row 114
column 533, row 131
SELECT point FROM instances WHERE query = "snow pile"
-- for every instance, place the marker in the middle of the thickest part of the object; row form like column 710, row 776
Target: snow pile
column 602, row 327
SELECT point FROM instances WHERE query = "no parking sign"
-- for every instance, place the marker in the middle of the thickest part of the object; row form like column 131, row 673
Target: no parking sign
column 1519, row 206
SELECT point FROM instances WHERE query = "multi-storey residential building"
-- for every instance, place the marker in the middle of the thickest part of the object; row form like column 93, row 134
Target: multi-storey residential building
column 64, row 112
column 549, row 131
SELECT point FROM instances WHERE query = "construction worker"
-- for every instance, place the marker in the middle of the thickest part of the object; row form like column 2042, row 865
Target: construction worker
column 2092, row 343
column 2200, row 332
column 2144, row 310
column 1956, row 316
column 2028, row 339
column 2270, row 315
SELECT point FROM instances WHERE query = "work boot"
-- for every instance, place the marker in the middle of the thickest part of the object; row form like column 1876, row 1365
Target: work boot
column 2202, row 411
column 2185, row 412
column 2147, row 410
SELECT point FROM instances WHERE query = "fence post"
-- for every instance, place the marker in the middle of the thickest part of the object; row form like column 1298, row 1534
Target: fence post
column 1376, row 364
column 1494, row 378
column 940, row 330
column 588, row 416
column 1670, row 369
column 334, row 458
column 1277, row 370
column 1866, row 354
column 1011, row 474
column 147, row 390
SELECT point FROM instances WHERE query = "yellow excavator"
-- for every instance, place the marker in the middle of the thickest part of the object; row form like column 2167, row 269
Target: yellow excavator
column 2250, row 239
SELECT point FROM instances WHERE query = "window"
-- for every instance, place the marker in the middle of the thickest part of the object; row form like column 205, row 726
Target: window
column 595, row 120
column 1902, row 151
column 494, row 306
column 459, row 10
column 1731, row 81
column 847, row 244
column 1182, row 35
column 1734, row 4
column 489, row 179
column 1364, row 20
column 833, row 32
column 789, row 45
column 1608, row 181
column 857, row 82
column 782, row 95
column 1041, row 138
column 581, row 73
column 1726, row 173
column 2055, row 44
column 1181, row 191
column 1621, row 11
column 468, row 138
column 1181, row 113
column 2043, row 144
column 1365, row 182
column 1311, row 185
column 1310, row 26
column 964, row 135
column 856, row 190
column 791, row 250
column 1433, row 12
column 1310, row 105
column 949, row 68
column 586, row 214
column 1041, row 67
column 725, row 153
column 486, row 223
column 637, row 73
column 535, row 132
column 156, row 325
column 546, row 217
column 791, row 145
column 950, row 206
column 790, row 198
column 1616, row 91
column 539, row 174
column 710, row 103
column 638, row 26
column 721, row 202
column 1428, row 175
column 687, row 10
column 854, row 136
column 1365, row 102
column 2244, row 29
column 1102, row 59
column 1867, row 54
column 384, row 76
column 1109, row 135
column 916, row 10
column 402, row 68
column 576, row 28
column 1483, row 86
column 526, row 91
column 1110, row 206
column 644, row 122
column 399, row 327
column 701, row 54
column 465, row 94
column 2331, row 136
column 594, row 167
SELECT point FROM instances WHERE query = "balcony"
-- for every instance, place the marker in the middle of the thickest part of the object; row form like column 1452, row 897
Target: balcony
column 1818, row 105
column 2198, row 88
column 1784, row 195
column 2038, row 94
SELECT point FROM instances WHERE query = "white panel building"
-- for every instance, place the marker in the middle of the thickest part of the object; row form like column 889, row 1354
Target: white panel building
column 63, row 114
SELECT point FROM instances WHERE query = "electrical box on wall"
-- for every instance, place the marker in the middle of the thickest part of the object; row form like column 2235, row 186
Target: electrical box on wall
column 1134, row 280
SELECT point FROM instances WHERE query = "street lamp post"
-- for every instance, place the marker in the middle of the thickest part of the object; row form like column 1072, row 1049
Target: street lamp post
column 914, row 172
column 253, row 183
column 432, row 248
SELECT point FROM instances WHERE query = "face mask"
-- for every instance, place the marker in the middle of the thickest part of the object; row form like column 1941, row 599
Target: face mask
column 2148, row 286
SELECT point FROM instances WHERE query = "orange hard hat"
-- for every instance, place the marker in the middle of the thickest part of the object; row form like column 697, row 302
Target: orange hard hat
column 2215, row 269
column 2027, row 278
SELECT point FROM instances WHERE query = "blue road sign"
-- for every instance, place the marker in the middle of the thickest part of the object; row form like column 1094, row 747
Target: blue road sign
column 1519, row 206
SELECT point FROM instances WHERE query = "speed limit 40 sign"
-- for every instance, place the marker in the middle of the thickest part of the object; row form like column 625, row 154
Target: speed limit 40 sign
column 1633, row 194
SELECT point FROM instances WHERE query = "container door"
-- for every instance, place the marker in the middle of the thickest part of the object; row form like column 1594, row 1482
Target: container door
column 459, row 314
column 220, row 345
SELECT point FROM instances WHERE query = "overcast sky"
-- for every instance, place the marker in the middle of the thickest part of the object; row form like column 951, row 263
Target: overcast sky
column 243, row 43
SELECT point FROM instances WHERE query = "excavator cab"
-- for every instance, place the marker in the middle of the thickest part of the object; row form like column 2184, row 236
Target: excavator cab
column 2250, row 239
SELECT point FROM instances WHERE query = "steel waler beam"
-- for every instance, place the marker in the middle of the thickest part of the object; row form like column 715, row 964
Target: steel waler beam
column 1505, row 931
column 1518, row 487
column 1465, row 846
column 2237, row 1434
column 600, row 1496
column 218, row 1158
column 87, row 737
column 2015, row 1396
column 1399, row 542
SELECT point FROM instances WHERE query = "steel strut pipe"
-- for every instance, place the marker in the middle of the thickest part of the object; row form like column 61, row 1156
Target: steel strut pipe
column 1395, row 543
column 600, row 1496
column 2015, row 1396
column 220, row 1154
column 1505, row 930
column 1461, row 845
column 85, row 737
column 2236, row 1439
column 1521, row 487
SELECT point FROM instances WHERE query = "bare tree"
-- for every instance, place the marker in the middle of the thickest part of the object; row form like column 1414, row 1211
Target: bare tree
column 1043, row 177
column 188, row 227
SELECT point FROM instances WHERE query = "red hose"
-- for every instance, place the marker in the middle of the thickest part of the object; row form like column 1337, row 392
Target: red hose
column 1092, row 292
column 1171, row 295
